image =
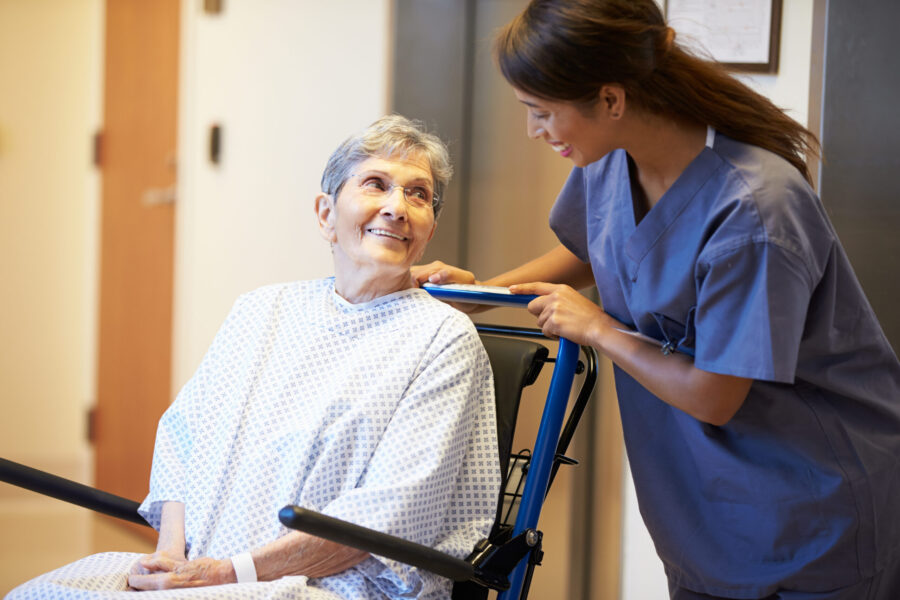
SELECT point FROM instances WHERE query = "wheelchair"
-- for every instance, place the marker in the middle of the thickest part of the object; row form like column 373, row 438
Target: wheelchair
column 505, row 561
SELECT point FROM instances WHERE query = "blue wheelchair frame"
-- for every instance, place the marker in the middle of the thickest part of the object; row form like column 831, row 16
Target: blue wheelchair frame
column 544, row 454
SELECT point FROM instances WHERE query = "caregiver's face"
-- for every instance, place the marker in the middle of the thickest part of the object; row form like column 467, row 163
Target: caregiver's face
column 383, row 218
column 570, row 132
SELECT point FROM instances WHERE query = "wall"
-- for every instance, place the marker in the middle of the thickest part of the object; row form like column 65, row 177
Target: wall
column 855, row 111
column 432, row 83
column 49, row 194
column 643, row 577
column 48, row 226
column 287, row 81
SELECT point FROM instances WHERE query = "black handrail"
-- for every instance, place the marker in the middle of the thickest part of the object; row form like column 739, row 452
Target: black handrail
column 376, row 542
column 584, row 395
column 70, row 491
column 591, row 358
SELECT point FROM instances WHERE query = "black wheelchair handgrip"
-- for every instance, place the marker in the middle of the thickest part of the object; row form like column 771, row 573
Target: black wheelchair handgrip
column 376, row 542
column 70, row 491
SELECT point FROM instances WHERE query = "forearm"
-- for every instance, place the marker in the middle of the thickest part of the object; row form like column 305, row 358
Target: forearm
column 171, row 529
column 709, row 397
column 556, row 266
column 299, row 553
column 157, row 570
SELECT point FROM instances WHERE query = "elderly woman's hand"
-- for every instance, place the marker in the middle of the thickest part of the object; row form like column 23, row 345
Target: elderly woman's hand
column 161, row 560
column 439, row 272
column 159, row 571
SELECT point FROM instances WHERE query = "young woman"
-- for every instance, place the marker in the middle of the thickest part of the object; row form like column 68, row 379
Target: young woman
column 763, row 427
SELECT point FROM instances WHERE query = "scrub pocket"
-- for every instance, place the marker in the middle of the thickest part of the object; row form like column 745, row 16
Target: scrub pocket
column 677, row 336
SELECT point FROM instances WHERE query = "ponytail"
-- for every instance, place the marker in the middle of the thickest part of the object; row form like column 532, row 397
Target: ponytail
column 568, row 49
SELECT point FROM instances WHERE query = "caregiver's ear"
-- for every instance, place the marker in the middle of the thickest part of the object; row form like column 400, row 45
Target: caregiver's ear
column 325, row 215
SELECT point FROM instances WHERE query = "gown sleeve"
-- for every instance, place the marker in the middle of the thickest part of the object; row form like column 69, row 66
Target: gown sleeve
column 177, row 428
column 434, row 476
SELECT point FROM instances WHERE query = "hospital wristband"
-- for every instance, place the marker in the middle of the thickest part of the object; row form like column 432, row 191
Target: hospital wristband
column 244, row 569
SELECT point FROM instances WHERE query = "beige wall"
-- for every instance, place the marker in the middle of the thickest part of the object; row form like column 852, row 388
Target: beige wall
column 50, row 104
column 50, row 70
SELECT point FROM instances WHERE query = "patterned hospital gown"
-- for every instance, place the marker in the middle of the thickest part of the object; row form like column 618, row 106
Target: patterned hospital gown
column 379, row 413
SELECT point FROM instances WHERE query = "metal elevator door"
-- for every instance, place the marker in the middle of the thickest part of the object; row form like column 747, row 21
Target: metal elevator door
column 859, row 179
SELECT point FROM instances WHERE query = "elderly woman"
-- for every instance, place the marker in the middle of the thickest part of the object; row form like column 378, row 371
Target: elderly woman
column 358, row 396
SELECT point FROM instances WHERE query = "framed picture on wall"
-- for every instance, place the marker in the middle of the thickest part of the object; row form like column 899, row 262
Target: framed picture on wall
column 742, row 34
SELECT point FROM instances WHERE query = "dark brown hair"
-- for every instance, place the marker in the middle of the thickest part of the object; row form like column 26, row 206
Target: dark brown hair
column 568, row 49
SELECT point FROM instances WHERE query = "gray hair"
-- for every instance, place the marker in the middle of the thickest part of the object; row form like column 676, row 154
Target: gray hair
column 392, row 136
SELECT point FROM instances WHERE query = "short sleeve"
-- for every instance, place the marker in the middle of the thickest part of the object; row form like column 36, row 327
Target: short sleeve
column 568, row 216
column 751, row 310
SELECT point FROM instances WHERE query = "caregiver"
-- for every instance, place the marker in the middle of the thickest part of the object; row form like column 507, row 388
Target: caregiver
column 763, row 426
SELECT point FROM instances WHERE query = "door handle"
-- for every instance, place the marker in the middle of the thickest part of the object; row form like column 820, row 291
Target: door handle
column 158, row 196
column 162, row 195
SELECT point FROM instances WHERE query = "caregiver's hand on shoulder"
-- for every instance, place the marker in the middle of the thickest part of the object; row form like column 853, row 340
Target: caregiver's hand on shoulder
column 563, row 312
column 169, row 573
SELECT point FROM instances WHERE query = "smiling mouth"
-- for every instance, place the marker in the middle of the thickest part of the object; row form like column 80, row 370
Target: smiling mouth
column 562, row 149
column 386, row 233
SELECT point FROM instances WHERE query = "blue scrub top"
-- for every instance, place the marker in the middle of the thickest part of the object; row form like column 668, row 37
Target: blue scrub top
column 738, row 266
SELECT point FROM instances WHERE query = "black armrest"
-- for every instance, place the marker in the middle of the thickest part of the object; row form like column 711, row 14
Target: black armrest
column 376, row 542
column 70, row 491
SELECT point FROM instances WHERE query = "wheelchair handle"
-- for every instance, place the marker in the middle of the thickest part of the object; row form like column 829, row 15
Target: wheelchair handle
column 70, row 491
column 376, row 542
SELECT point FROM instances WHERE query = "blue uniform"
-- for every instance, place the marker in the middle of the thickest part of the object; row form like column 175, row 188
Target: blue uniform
column 738, row 266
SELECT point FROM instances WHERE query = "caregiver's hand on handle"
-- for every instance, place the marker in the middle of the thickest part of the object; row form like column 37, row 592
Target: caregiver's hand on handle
column 562, row 312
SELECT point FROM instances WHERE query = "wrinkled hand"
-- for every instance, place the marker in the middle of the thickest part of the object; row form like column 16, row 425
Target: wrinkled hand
column 160, row 560
column 563, row 312
column 440, row 273
column 160, row 571
column 322, row 558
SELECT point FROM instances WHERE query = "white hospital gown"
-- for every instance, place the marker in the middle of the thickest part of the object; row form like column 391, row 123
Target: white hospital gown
column 379, row 413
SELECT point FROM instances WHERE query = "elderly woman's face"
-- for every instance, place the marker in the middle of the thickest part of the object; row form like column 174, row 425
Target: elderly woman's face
column 383, row 217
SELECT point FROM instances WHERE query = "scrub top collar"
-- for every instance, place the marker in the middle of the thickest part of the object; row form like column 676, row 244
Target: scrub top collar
column 645, row 234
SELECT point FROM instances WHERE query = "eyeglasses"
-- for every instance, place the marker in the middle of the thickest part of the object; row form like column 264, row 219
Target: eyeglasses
column 376, row 185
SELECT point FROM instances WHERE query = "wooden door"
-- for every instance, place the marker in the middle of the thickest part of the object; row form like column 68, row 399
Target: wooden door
column 138, row 166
